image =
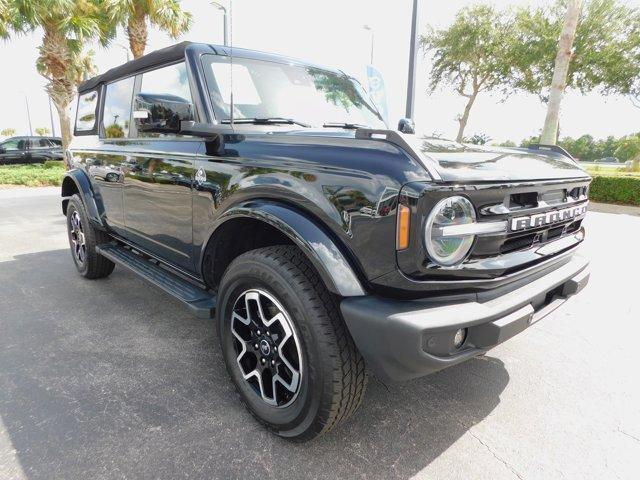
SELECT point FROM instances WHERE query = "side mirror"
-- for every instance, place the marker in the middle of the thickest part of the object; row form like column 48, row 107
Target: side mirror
column 161, row 113
column 406, row 125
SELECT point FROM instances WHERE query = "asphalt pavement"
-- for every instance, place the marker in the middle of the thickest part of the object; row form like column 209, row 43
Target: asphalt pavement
column 113, row 379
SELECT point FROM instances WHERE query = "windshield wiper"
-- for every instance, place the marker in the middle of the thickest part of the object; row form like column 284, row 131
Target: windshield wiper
column 351, row 126
column 267, row 121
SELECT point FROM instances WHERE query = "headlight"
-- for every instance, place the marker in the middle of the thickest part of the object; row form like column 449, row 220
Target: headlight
column 445, row 245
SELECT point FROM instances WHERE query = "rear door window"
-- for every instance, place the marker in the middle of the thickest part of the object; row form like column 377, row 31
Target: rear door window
column 116, row 117
column 40, row 143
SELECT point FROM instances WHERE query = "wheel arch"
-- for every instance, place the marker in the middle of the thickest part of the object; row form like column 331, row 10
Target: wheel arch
column 278, row 223
column 76, row 182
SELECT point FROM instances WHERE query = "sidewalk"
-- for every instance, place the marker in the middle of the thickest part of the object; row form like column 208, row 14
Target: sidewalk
column 611, row 208
column 20, row 191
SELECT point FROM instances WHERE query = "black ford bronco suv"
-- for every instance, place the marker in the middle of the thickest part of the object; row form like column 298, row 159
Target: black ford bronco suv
column 269, row 194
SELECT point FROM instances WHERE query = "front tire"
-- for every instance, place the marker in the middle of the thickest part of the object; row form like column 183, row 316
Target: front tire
column 285, row 344
column 83, row 239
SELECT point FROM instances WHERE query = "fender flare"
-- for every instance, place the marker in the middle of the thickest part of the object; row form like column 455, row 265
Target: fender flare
column 333, row 267
column 91, row 200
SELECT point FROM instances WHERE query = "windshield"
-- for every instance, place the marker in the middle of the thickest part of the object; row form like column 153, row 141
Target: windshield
column 309, row 95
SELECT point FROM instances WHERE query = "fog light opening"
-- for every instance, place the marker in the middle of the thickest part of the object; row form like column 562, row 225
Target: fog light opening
column 459, row 337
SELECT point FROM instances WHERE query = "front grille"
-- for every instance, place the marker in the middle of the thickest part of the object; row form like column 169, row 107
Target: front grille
column 494, row 255
column 527, row 240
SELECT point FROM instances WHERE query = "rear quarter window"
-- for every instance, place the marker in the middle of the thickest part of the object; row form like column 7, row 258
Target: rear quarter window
column 86, row 115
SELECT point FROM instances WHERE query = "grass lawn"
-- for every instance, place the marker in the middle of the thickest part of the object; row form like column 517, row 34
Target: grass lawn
column 32, row 175
column 610, row 172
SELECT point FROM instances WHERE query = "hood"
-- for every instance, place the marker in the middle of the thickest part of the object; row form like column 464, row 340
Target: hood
column 457, row 162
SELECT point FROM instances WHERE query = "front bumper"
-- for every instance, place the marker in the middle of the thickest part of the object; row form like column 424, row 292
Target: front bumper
column 401, row 340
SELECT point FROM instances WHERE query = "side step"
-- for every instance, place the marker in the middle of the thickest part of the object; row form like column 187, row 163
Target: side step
column 199, row 300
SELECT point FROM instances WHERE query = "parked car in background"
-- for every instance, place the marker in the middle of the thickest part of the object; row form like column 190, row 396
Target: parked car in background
column 607, row 160
column 30, row 150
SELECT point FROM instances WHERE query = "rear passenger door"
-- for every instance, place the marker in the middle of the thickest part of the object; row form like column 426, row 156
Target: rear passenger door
column 105, row 165
column 159, row 169
column 39, row 150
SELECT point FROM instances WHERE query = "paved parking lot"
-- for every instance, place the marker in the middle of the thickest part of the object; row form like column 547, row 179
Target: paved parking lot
column 113, row 379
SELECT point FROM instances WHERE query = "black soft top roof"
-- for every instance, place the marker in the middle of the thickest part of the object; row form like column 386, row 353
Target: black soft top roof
column 176, row 53
column 155, row 58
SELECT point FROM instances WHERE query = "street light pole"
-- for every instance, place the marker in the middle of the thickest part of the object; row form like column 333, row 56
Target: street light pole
column 26, row 101
column 125, row 49
column 413, row 56
column 224, row 20
column 53, row 126
column 367, row 27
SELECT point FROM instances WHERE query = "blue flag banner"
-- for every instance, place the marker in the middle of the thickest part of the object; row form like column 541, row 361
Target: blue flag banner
column 377, row 91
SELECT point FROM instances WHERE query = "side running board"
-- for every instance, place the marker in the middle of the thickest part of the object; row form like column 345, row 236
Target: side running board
column 199, row 300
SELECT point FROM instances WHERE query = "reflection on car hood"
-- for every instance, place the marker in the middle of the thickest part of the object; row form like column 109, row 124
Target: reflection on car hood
column 462, row 162
column 456, row 162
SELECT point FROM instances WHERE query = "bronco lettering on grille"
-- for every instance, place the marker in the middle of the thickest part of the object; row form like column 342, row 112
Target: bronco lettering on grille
column 548, row 218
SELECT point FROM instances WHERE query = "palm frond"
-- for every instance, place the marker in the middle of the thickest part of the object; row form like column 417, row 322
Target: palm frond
column 169, row 16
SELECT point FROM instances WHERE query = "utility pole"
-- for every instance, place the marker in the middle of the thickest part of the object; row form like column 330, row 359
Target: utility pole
column 413, row 57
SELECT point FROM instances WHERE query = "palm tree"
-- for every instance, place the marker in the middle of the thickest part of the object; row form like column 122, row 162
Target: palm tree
column 66, row 25
column 5, row 16
column 559, row 81
column 135, row 14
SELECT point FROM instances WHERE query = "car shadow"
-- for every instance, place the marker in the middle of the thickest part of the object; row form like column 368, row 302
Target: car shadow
column 112, row 378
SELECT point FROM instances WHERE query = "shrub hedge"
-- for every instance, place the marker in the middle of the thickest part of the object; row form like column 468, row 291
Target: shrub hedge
column 615, row 189
column 33, row 175
column 48, row 164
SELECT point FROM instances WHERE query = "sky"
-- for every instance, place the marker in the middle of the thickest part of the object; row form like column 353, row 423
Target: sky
column 331, row 33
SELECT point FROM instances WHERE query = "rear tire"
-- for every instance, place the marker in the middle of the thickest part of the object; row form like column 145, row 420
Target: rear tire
column 324, row 372
column 83, row 239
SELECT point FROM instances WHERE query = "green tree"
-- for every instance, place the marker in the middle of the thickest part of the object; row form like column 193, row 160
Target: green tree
column 114, row 131
column 605, row 55
column 471, row 55
column 42, row 131
column 629, row 148
column 65, row 25
column 135, row 15
column 8, row 132
column 605, row 148
column 478, row 139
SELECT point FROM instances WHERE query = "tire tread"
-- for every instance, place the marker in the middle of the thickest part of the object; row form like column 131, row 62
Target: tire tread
column 349, row 376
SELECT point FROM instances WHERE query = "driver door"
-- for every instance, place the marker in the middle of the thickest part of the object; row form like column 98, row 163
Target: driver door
column 159, row 170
